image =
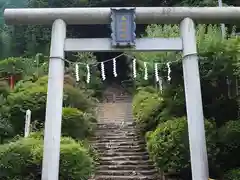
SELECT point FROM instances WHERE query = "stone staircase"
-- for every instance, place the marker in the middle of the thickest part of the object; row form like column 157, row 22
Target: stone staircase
column 122, row 151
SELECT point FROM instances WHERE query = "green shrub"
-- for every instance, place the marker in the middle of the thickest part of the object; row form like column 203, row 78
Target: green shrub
column 146, row 108
column 168, row 145
column 76, row 124
column 22, row 85
column 23, row 160
column 77, row 98
column 84, row 143
column 233, row 174
column 33, row 99
column 34, row 96
column 229, row 141
column 149, row 89
column 69, row 80
column 6, row 130
column 42, row 81
column 37, row 135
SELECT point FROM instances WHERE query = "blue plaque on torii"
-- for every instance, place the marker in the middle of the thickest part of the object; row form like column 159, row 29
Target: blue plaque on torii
column 123, row 27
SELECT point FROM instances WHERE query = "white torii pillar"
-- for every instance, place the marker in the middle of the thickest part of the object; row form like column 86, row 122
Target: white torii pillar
column 144, row 15
column 52, row 130
column 193, row 98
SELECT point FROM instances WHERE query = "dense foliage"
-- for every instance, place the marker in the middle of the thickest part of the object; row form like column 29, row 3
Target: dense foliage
column 168, row 143
column 146, row 107
column 169, row 147
column 232, row 174
column 229, row 145
column 218, row 68
column 162, row 112
column 77, row 124
column 22, row 159
column 33, row 96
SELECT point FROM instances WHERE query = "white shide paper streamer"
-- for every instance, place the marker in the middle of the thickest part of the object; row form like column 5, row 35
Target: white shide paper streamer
column 156, row 72
column 169, row 71
column 103, row 71
column 134, row 69
column 88, row 74
column 114, row 68
column 145, row 71
column 77, row 72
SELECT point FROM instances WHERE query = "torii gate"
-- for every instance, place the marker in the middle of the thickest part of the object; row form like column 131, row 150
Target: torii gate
column 186, row 16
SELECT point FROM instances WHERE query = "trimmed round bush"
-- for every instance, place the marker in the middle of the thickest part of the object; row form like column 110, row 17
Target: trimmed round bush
column 229, row 141
column 146, row 108
column 77, row 98
column 233, row 174
column 84, row 143
column 23, row 160
column 168, row 145
column 76, row 124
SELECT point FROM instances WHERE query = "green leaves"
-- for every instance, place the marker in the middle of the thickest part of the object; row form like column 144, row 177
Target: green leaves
column 17, row 66
column 23, row 159
column 33, row 96
column 169, row 147
column 76, row 124
column 218, row 62
column 229, row 144
column 146, row 107
column 233, row 174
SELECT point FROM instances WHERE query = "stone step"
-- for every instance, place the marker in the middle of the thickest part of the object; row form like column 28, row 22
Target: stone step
column 127, row 172
column 113, row 141
column 123, row 158
column 120, row 117
column 110, row 137
column 124, row 96
column 115, row 124
column 123, row 99
column 114, row 138
column 108, row 120
column 110, row 154
column 119, row 148
column 116, row 133
column 126, row 167
column 126, row 162
column 113, row 115
column 126, row 177
column 120, row 129
column 119, row 143
column 133, row 149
